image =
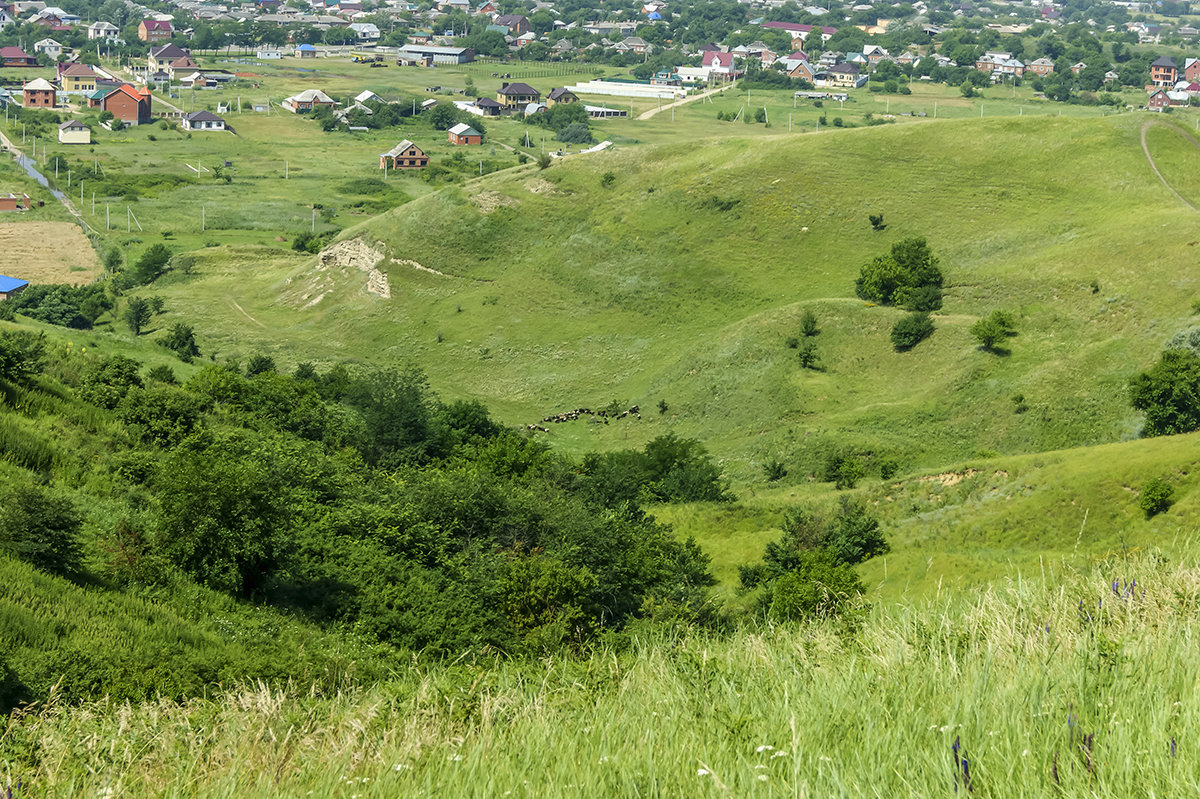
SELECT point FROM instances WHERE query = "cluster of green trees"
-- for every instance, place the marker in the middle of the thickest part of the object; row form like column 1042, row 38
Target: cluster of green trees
column 357, row 500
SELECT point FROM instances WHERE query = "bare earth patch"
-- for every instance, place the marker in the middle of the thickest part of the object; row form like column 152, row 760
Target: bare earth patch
column 488, row 201
column 47, row 252
column 357, row 254
column 541, row 186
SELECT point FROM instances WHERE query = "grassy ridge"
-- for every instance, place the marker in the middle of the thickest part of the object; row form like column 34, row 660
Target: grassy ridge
column 1065, row 686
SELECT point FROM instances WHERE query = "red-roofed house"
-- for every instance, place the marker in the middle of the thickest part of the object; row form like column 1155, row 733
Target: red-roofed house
column 720, row 65
column 16, row 57
column 128, row 104
column 154, row 30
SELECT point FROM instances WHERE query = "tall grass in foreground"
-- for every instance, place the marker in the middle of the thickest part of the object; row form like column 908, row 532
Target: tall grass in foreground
column 1087, row 687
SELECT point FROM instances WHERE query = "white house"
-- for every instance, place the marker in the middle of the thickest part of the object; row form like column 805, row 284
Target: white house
column 203, row 120
column 49, row 47
column 103, row 30
column 74, row 132
column 269, row 55
column 6, row 19
column 365, row 31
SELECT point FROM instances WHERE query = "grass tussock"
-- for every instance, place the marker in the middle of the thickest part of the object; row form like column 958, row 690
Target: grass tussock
column 1084, row 686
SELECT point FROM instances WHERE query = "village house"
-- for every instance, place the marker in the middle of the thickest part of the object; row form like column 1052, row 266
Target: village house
column 75, row 78
column 16, row 57
column 163, row 55
column 306, row 51
column 1164, row 72
column 103, row 30
column 1158, row 100
column 39, row 93
column 561, row 96
column 1042, row 67
column 128, row 104
column 488, row 107
column 49, row 47
column 1191, row 70
column 847, row 76
column 203, row 121
column 462, row 133
column 154, row 30
column 365, row 31
column 74, row 132
column 516, row 23
column 720, row 65
column 404, row 155
column 517, row 95
column 308, row 100
column 10, row 286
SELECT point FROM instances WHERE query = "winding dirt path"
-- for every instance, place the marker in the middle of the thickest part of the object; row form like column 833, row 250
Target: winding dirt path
column 1146, row 150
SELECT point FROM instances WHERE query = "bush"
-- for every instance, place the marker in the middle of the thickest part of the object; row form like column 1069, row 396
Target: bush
column 808, row 356
column 774, row 470
column 1156, row 497
column 911, row 330
column 924, row 298
column 992, row 330
column 181, row 339
column 575, row 133
column 818, row 587
column 41, row 528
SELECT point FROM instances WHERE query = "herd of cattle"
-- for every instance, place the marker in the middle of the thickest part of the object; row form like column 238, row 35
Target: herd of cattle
column 571, row 416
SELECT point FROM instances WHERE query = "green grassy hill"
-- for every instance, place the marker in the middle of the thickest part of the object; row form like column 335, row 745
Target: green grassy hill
column 682, row 280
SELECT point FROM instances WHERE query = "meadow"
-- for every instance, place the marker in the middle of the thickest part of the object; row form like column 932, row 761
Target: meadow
column 1081, row 683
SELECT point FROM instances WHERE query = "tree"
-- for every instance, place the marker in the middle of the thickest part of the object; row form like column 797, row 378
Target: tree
column 896, row 276
column 819, row 586
column 876, row 221
column 575, row 133
column 1169, row 394
column 808, row 324
column 992, row 330
column 138, row 313
column 443, row 116
column 152, row 263
column 910, row 330
column 181, row 339
column 809, row 359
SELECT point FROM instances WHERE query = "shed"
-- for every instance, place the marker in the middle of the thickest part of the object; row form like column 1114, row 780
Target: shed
column 12, row 285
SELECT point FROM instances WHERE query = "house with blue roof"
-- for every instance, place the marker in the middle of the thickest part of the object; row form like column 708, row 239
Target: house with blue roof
column 11, row 285
column 306, row 51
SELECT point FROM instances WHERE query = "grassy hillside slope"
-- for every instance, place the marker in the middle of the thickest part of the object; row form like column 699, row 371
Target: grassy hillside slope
column 682, row 280
column 1067, row 687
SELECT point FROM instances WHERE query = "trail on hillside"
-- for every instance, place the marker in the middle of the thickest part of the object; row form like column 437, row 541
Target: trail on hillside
column 1146, row 149
column 242, row 311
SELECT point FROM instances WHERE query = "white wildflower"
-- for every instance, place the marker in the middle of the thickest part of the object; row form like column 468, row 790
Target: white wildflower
column 762, row 777
column 764, row 748
column 701, row 772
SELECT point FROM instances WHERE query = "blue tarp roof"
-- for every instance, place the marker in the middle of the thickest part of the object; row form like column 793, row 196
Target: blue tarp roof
column 10, row 283
column 306, row 47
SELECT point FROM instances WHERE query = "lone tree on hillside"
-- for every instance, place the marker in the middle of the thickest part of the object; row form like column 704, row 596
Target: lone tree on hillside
column 910, row 270
column 993, row 329
column 1169, row 394
column 137, row 315
column 876, row 221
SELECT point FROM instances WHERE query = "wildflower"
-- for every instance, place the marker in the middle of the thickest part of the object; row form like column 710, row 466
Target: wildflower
column 455, row 757
column 778, row 754
column 759, row 766
column 701, row 772
column 762, row 777
column 402, row 767
column 764, row 748
column 1172, row 747
column 1025, row 753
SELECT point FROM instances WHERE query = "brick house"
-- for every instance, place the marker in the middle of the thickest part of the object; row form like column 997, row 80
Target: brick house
column 154, row 30
column 16, row 57
column 846, row 76
column 1042, row 67
column 517, row 95
column 1158, row 100
column 164, row 54
column 39, row 93
column 404, row 155
column 1191, row 70
column 130, row 105
column 516, row 23
column 1164, row 72
column 561, row 96
column 463, row 133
